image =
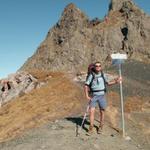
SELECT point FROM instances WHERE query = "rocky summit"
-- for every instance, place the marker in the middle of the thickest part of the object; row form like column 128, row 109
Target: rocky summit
column 75, row 40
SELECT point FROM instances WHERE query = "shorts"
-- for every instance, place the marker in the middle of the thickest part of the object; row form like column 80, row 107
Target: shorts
column 100, row 99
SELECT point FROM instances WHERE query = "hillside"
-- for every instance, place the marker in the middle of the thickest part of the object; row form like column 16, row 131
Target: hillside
column 59, row 98
column 136, row 77
column 37, row 119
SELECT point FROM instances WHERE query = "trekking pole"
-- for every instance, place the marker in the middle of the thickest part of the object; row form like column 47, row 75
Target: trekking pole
column 122, row 105
column 87, row 109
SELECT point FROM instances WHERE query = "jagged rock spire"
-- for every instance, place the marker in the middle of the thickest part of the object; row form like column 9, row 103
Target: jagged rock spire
column 72, row 17
column 127, row 7
column 117, row 4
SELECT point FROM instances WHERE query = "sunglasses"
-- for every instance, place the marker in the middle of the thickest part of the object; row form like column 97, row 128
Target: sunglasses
column 97, row 65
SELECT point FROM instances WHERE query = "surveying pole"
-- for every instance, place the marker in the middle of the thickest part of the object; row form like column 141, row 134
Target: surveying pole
column 118, row 59
column 121, row 100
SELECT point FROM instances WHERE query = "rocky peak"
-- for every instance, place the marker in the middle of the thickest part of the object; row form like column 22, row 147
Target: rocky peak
column 73, row 42
column 117, row 4
column 72, row 17
column 124, row 6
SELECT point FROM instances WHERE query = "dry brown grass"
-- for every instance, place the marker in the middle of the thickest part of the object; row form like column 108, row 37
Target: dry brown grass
column 44, row 75
column 131, row 104
column 57, row 99
column 113, row 99
column 134, row 104
column 112, row 111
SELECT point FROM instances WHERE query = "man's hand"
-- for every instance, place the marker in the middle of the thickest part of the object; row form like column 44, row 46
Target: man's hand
column 86, row 89
column 115, row 81
column 89, row 98
column 118, row 80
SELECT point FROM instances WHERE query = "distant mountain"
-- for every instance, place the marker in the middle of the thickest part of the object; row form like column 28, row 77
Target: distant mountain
column 75, row 41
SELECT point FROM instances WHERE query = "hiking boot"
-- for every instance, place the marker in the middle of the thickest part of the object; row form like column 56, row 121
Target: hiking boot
column 90, row 131
column 100, row 129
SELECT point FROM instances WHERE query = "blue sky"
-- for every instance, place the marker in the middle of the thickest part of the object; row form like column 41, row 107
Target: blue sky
column 24, row 25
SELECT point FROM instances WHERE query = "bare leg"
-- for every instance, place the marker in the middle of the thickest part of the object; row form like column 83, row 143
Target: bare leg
column 92, row 113
column 102, row 111
column 101, row 121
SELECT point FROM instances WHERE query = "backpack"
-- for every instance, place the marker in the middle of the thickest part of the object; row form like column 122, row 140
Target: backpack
column 91, row 68
column 91, row 71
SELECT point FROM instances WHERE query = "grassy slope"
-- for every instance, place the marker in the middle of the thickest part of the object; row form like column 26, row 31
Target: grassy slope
column 62, row 98
column 57, row 99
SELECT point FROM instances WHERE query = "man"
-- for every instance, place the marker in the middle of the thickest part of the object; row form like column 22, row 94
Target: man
column 95, row 83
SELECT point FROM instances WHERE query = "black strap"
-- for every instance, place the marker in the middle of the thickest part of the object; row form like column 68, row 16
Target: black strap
column 98, row 90
column 93, row 76
column 105, row 82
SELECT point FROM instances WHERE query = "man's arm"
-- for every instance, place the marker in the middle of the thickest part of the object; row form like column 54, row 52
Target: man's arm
column 86, row 87
column 86, row 91
column 115, row 81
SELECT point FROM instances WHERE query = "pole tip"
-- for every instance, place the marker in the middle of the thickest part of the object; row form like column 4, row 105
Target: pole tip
column 127, row 138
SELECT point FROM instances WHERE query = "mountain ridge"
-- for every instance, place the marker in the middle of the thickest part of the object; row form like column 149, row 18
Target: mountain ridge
column 75, row 41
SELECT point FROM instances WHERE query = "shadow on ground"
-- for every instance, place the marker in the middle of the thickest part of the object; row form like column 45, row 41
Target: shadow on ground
column 78, row 122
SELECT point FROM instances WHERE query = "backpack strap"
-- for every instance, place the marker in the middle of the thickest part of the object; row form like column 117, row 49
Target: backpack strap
column 105, row 82
column 93, row 76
